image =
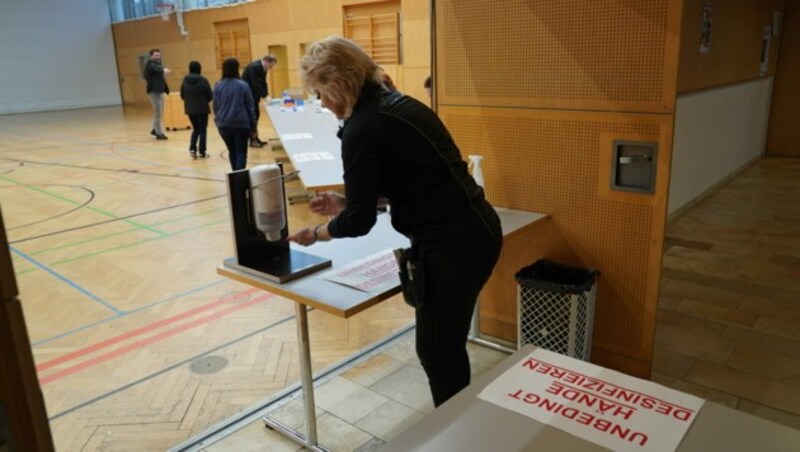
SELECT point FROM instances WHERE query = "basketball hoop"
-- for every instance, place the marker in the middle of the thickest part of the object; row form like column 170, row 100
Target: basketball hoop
column 164, row 9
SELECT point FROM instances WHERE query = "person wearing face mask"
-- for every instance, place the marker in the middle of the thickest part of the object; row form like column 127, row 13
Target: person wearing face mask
column 395, row 147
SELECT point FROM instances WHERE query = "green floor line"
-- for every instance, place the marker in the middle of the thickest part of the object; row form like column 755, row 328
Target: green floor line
column 70, row 201
column 129, row 245
column 106, row 236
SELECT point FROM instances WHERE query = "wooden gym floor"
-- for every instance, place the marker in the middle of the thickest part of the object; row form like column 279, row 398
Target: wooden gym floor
column 139, row 345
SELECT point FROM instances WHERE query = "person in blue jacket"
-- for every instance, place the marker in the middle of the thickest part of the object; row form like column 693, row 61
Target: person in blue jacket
column 233, row 113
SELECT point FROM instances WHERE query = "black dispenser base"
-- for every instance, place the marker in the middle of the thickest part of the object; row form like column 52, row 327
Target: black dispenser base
column 281, row 268
column 274, row 261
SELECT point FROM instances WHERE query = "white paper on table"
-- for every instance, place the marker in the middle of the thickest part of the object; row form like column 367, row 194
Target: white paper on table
column 296, row 136
column 375, row 273
column 600, row 405
column 312, row 156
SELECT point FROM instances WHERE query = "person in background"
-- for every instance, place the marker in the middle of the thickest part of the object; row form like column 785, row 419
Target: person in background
column 157, row 88
column 255, row 75
column 196, row 94
column 428, row 84
column 233, row 113
column 388, row 82
column 394, row 146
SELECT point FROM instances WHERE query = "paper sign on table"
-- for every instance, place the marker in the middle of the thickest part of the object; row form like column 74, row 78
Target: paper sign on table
column 312, row 156
column 600, row 405
column 296, row 136
column 375, row 273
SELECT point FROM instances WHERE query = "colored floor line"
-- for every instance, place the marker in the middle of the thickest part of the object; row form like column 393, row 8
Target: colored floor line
column 99, row 223
column 68, row 281
column 115, row 234
column 129, row 245
column 169, row 368
column 70, row 201
column 120, row 170
column 138, row 331
column 132, row 311
column 151, row 340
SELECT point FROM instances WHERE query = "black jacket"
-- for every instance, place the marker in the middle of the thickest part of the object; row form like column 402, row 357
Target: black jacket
column 196, row 94
column 255, row 76
column 154, row 76
column 394, row 146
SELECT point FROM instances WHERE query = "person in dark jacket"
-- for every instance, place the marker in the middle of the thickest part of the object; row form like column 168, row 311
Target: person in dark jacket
column 157, row 88
column 395, row 147
column 255, row 75
column 196, row 94
column 233, row 113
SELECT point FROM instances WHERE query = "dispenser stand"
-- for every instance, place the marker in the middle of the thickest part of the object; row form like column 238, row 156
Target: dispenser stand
column 275, row 261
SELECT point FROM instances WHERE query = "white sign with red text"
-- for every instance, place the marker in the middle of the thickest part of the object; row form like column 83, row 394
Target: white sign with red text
column 375, row 273
column 600, row 405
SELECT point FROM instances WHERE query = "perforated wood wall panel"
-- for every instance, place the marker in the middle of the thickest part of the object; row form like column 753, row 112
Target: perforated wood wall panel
column 558, row 163
column 542, row 89
column 580, row 54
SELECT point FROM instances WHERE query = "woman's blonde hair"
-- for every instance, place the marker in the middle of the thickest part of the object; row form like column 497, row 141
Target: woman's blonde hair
column 340, row 67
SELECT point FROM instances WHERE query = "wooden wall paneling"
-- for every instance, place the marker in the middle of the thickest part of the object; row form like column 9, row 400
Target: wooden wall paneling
column 270, row 23
column 609, row 55
column 270, row 16
column 416, row 43
column 416, row 9
column 735, row 50
column 279, row 75
column 783, row 136
column 558, row 163
column 542, row 101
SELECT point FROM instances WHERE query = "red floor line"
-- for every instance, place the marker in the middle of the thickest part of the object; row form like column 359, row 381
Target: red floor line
column 135, row 332
column 155, row 338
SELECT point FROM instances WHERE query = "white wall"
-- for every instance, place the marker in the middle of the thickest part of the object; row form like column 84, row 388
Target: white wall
column 717, row 133
column 56, row 54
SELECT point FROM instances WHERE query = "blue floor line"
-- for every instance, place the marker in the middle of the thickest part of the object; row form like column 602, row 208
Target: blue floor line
column 91, row 325
column 64, row 279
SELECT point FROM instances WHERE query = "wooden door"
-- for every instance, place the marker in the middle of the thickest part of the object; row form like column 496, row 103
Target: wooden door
column 783, row 136
column 232, row 40
column 279, row 75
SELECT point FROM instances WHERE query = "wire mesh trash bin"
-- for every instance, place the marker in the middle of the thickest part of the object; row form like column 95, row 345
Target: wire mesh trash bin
column 556, row 308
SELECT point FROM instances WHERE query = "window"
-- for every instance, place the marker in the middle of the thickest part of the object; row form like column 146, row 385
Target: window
column 122, row 10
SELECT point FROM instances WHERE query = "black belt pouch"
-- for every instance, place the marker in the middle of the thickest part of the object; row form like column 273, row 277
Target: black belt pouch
column 412, row 275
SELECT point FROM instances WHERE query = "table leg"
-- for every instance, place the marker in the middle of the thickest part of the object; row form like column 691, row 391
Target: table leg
column 305, row 374
column 307, row 383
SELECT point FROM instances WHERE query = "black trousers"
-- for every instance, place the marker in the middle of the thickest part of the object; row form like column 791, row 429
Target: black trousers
column 257, row 111
column 454, row 276
column 199, row 132
column 236, row 141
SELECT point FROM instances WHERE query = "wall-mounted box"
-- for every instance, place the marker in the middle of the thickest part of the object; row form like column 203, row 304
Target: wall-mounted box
column 634, row 166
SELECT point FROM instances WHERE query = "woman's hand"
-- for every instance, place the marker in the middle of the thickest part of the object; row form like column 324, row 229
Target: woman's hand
column 304, row 237
column 327, row 203
column 310, row 236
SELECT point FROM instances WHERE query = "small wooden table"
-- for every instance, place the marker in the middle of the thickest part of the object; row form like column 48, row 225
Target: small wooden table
column 340, row 300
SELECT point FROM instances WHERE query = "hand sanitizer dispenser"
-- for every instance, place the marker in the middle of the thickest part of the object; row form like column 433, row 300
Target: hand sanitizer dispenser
column 266, row 184
column 260, row 227
column 476, row 168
